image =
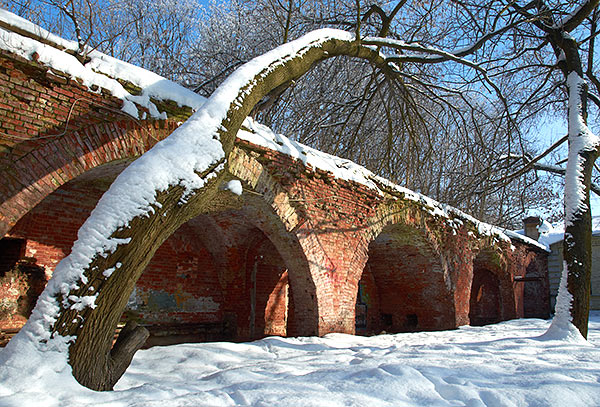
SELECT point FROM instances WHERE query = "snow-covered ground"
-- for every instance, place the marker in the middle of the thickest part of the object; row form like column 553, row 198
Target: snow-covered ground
column 498, row 365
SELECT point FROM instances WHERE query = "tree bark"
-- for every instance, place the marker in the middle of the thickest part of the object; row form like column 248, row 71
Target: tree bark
column 583, row 151
column 577, row 244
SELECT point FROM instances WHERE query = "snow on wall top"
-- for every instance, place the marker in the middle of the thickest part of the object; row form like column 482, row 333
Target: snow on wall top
column 101, row 70
column 342, row 168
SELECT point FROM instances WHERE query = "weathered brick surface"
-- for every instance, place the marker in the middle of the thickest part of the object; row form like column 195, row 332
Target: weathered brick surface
column 287, row 258
column 52, row 129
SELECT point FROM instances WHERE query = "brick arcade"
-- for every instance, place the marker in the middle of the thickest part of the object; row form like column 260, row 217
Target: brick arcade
column 300, row 253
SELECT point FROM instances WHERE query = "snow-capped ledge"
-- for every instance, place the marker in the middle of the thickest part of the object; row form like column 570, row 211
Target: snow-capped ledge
column 30, row 41
column 342, row 168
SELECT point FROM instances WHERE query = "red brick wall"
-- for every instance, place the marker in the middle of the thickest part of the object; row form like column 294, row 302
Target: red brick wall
column 191, row 282
column 180, row 285
column 53, row 129
column 459, row 253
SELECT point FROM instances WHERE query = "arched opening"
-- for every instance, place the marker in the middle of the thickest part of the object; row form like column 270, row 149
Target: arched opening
column 218, row 277
column 403, row 285
column 40, row 239
column 491, row 290
column 268, row 286
column 484, row 305
column 21, row 283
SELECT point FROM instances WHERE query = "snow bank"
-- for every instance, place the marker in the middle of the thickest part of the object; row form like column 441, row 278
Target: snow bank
column 506, row 364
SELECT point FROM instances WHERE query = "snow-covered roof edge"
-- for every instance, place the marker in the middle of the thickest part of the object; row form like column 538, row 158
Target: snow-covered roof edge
column 101, row 71
column 342, row 168
column 552, row 233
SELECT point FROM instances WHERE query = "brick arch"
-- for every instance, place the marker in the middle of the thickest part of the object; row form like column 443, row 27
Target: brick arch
column 491, row 292
column 230, row 233
column 269, row 207
column 407, row 213
column 39, row 172
column 406, row 283
column 219, row 277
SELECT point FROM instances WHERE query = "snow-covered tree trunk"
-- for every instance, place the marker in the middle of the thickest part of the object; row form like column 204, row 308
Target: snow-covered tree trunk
column 573, row 301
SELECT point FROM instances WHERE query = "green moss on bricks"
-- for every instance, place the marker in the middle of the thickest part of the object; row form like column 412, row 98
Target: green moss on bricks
column 173, row 110
column 130, row 87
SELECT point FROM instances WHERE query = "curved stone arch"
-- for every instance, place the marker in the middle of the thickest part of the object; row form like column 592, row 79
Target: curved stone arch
column 60, row 160
column 409, row 225
column 261, row 215
column 270, row 209
column 81, row 301
column 399, row 212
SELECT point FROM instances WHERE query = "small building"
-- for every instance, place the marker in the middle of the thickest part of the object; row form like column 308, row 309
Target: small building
column 552, row 236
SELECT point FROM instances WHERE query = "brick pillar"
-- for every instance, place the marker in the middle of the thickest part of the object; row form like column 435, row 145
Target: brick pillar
column 336, row 260
column 459, row 252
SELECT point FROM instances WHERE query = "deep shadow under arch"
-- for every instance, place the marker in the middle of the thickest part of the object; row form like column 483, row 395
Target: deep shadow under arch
column 404, row 286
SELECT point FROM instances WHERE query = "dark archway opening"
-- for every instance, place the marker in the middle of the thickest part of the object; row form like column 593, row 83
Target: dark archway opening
column 218, row 277
column 485, row 302
column 402, row 288
column 21, row 283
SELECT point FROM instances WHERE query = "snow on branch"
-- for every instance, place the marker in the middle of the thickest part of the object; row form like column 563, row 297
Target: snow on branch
column 574, row 19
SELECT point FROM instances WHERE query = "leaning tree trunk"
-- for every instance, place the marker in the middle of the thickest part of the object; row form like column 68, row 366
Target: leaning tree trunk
column 91, row 303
